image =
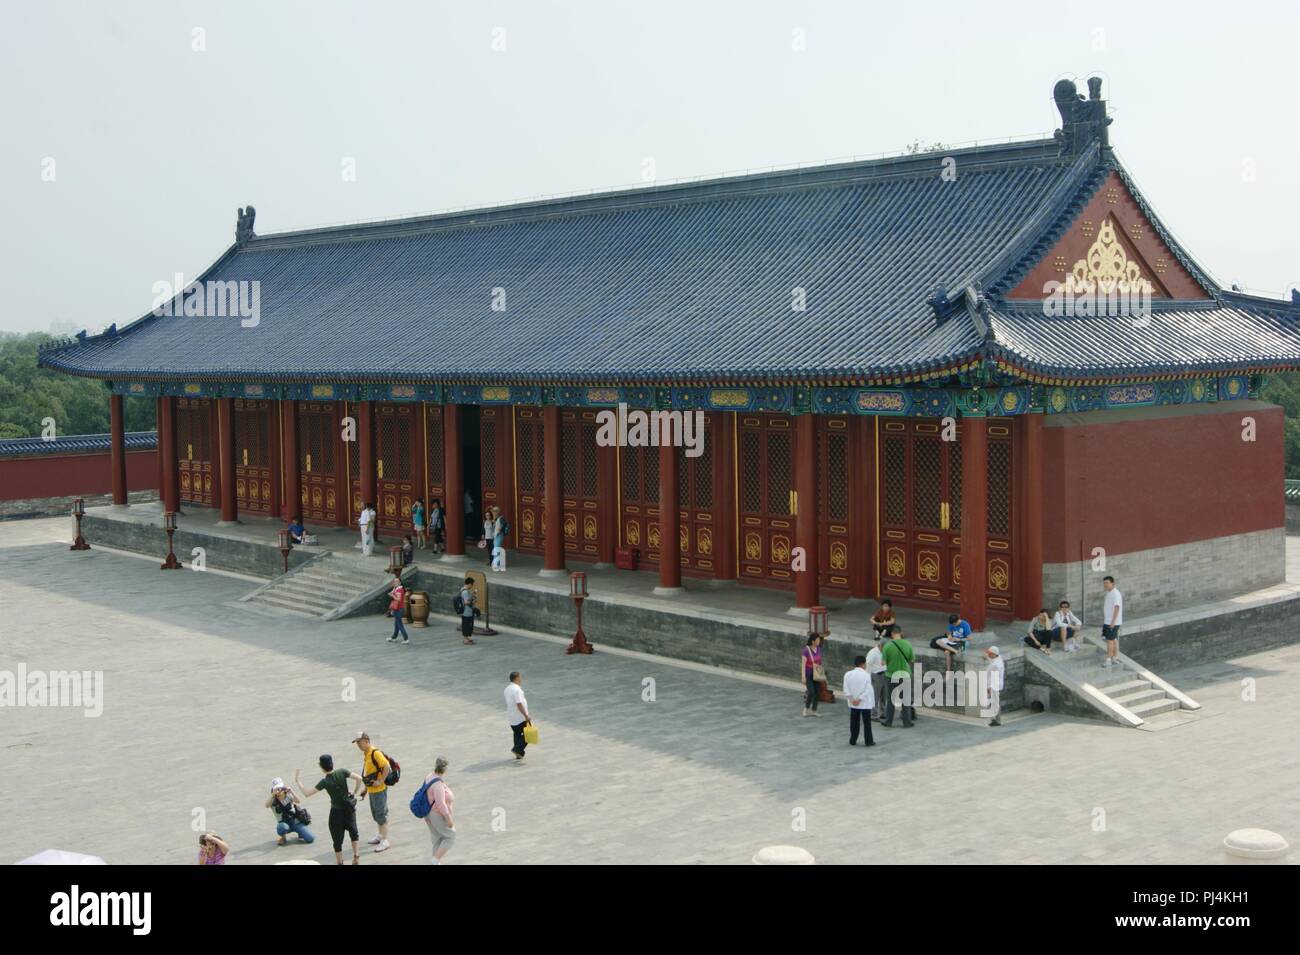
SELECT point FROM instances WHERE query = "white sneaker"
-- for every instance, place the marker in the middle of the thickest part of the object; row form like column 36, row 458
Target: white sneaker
column 382, row 845
column 375, row 841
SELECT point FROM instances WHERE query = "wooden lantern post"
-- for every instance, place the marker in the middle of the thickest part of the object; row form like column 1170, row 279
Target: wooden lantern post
column 169, row 525
column 285, row 547
column 79, row 511
column 578, row 591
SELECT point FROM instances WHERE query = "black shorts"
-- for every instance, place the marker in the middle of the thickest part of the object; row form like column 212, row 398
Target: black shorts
column 1110, row 633
column 466, row 626
column 343, row 819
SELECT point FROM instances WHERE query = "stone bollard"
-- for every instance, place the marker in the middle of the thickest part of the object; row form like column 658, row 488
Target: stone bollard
column 783, row 855
column 1254, row 847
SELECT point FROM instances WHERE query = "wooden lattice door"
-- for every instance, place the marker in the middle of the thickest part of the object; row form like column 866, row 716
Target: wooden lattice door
column 254, row 444
column 920, row 511
column 580, row 483
column 530, row 478
column 397, row 477
column 435, row 472
column 999, row 574
column 320, row 453
column 638, row 478
column 194, row 447
column 836, row 477
column 766, row 502
column 695, row 496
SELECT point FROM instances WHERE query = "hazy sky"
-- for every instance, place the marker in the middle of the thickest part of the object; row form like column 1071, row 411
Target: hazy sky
column 155, row 144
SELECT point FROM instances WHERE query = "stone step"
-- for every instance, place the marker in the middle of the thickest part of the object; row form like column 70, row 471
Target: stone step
column 1114, row 690
column 338, row 591
column 340, row 576
column 1136, row 697
column 1154, row 707
column 291, row 604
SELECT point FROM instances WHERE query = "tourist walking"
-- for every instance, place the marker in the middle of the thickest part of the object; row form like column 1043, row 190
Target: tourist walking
column 438, row 526
column 996, row 668
column 899, row 656
column 861, row 697
column 397, row 609
column 365, row 523
column 442, row 827
column 343, row 804
column 810, row 663
column 1039, row 632
column 417, row 522
column 879, row 680
column 290, row 814
column 1112, row 615
column 465, row 601
column 517, row 713
column 469, row 511
column 375, row 770
column 1065, row 625
column 212, row 849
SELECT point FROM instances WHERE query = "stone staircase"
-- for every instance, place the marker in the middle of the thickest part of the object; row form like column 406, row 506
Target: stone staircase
column 326, row 587
column 1126, row 693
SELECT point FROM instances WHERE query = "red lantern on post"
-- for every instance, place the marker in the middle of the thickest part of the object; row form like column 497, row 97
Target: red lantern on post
column 169, row 525
column 285, row 547
column 79, row 511
column 578, row 592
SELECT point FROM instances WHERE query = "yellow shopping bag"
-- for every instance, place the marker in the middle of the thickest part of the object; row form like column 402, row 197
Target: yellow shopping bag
column 530, row 734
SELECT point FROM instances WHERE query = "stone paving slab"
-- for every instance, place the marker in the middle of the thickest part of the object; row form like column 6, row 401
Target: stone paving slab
column 207, row 699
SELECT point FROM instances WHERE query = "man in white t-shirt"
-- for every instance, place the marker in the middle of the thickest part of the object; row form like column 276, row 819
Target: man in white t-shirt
column 996, row 668
column 1112, row 618
column 857, row 690
column 365, row 522
column 517, row 713
column 879, row 680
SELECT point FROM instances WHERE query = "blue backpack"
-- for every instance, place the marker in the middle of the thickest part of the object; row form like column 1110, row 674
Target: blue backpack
column 420, row 805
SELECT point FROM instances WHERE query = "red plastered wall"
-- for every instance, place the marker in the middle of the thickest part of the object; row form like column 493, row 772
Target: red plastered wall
column 71, row 475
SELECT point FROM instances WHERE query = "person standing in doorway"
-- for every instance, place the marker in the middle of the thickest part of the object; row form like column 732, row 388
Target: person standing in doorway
column 442, row 828
column 489, row 533
column 879, row 680
column 467, row 599
column 899, row 656
column 1112, row 613
column 469, row 510
column 343, row 804
column 365, row 523
column 813, row 673
column 374, row 770
column 996, row 669
column 438, row 526
column 417, row 522
column 517, row 713
column 397, row 610
column 498, row 540
column 857, row 690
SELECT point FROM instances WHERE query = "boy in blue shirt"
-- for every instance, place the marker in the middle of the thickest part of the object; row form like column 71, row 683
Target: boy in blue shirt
column 959, row 630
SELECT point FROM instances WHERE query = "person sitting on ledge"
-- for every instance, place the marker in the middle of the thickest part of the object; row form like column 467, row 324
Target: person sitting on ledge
column 296, row 531
column 883, row 618
column 1040, row 632
column 959, row 631
column 950, row 647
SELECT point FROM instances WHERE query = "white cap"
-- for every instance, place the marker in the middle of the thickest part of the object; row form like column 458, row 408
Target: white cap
column 994, row 651
column 277, row 783
column 360, row 735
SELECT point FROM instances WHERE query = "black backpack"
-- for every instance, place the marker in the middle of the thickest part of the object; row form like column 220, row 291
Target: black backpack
column 458, row 604
column 505, row 527
column 394, row 770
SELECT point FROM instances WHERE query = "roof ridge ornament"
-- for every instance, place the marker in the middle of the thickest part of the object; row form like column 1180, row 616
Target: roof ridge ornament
column 1083, row 121
column 244, row 225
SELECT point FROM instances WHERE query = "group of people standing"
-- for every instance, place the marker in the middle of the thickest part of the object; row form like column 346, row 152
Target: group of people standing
column 1061, row 627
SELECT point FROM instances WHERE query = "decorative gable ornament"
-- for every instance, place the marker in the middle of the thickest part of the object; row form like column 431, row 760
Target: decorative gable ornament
column 1106, row 269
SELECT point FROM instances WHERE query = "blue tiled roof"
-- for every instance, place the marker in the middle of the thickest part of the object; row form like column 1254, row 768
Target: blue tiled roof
column 75, row 444
column 689, row 283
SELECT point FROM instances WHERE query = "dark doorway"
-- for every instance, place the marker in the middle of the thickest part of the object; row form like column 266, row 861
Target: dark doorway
column 471, row 459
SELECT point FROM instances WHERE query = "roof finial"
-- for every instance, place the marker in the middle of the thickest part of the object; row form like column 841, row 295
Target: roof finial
column 244, row 225
column 1083, row 121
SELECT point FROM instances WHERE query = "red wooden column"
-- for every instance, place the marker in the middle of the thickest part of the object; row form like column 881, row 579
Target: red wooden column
column 553, row 546
column 1028, row 449
column 723, row 436
column 974, row 518
column 607, row 502
column 862, row 506
column 226, row 456
column 366, row 454
column 171, row 488
column 670, row 517
column 290, row 469
column 805, row 523
column 506, row 495
column 453, row 505
column 117, row 448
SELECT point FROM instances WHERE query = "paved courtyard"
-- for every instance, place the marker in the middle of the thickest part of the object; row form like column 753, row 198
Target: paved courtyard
column 206, row 699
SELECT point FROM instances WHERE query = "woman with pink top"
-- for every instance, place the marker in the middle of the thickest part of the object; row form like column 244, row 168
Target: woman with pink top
column 442, row 829
column 212, row 849
column 813, row 673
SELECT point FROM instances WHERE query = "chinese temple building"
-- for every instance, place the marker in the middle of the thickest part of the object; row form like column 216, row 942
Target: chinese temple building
column 890, row 376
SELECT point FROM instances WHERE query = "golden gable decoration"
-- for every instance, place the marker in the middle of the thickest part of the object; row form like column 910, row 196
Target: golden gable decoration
column 1107, row 268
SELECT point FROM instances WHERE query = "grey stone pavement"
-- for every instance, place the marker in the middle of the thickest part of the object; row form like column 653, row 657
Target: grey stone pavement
column 206, row 699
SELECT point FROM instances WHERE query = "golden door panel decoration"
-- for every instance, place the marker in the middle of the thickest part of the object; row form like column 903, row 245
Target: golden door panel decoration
column 255, row 444
column 580, row 482
column 197, row 449
column 321, row 462
column 530, row 477
column 765, row 479
column 638, row 490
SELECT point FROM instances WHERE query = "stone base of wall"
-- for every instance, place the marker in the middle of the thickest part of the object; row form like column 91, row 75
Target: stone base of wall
column 56, row 506
column 1171, row 578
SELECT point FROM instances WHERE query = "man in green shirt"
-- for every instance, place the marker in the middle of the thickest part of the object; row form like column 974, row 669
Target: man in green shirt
column 898, row 656
column 343, row 804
